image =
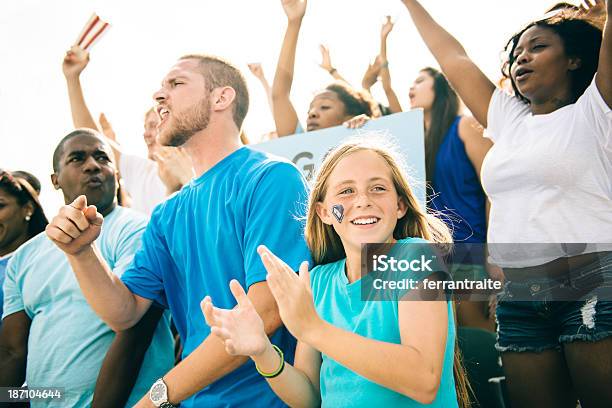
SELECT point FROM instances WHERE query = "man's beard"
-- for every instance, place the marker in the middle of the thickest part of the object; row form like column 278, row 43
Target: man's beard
column 187, row 124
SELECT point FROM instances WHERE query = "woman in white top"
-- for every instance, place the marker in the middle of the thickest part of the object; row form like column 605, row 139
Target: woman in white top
column 548, row 177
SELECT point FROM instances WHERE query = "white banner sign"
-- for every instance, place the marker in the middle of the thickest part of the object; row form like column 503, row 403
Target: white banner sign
column 306, row 150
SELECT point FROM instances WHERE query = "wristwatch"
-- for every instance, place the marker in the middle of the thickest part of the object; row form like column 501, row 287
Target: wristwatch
column 158, row 394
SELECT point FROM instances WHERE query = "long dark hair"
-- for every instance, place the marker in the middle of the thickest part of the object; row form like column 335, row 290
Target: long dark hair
column 22, row 190
column 444, row 110
column 581, row 39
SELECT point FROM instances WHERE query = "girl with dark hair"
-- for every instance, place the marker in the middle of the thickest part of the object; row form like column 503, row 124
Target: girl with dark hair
column 548, row 178
column 454, row 151
column 337, row 104
column 21, row 216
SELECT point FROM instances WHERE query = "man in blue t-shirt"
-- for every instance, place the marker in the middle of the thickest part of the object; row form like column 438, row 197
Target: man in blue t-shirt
column 203, row 237
column 50, row 337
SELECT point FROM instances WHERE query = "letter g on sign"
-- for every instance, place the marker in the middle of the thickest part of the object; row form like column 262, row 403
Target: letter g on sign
column 308, row 168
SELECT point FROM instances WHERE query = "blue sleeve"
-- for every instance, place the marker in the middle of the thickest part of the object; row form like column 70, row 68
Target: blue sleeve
column 144, row 276
column 274, row 219
column 13, row 299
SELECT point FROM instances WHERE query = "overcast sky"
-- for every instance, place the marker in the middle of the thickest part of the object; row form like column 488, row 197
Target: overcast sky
column 145, row 39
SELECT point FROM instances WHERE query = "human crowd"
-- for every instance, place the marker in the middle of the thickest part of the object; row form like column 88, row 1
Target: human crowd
column 212, row 274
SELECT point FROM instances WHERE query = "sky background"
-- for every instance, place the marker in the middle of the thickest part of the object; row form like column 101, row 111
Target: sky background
column 145, row 38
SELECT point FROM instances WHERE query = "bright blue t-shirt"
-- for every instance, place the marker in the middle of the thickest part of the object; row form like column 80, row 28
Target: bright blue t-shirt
column 67, row 341
column 341, row 303
column 206, row 235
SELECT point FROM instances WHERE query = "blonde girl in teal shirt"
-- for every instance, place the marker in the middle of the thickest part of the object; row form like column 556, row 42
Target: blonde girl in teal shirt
column 351, row 351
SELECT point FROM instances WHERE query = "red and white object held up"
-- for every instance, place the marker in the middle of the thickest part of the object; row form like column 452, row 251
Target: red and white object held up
column 92, row 32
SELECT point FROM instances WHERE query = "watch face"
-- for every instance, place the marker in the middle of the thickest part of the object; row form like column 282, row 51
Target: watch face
column 158, row 392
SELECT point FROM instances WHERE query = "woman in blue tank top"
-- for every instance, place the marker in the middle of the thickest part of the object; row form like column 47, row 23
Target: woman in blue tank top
column 454, row 149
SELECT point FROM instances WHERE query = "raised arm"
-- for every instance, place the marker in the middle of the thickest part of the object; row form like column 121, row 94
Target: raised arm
column 111, row 137
column 75, row 61
column 123, row 360
column 472, row 85
column 257, row 70
column 385, row 75
column 285, row 117
column 14, row 334
column 327, row 65
column 604, row 70
column 370, row 76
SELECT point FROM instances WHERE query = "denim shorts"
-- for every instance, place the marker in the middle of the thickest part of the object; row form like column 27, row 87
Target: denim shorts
column 544, row 323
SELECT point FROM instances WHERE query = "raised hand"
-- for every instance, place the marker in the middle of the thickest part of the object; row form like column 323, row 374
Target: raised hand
column 371, row 74
column 294, row 9
column 594, row 9
column 257, row 70
column 386, row 27
column 357, row 121
column 292, row 294
column 75, row 61
column 241, row 329
column 175, row 168
column 325, row 58
column 107, row 128
column 75, row 227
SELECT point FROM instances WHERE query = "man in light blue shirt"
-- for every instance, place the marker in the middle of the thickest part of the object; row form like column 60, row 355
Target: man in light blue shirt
column 49, row 332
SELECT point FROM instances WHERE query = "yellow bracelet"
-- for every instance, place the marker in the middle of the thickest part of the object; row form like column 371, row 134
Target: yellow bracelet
column 280, row 368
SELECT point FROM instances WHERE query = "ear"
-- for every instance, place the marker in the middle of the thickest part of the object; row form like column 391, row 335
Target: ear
column 323, row 213
column 222, row 98
column 574, row 63
column 54, row 181
column 27, row 209
column 402, row 207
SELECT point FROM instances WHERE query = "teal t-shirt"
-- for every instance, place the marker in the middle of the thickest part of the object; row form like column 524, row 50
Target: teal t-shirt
column 67, row 341
column 340, row 303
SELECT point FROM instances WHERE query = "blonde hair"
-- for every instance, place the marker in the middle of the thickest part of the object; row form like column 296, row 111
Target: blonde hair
column 325, row 244
column 323, row 241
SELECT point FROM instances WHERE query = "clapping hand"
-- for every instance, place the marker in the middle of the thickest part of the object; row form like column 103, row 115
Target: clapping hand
column 241, row 329
column 292, row 294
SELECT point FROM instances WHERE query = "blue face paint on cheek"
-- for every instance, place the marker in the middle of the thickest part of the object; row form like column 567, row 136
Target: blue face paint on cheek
column 338, row 212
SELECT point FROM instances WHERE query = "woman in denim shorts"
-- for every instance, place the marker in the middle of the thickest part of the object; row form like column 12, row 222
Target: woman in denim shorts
column 548, row 177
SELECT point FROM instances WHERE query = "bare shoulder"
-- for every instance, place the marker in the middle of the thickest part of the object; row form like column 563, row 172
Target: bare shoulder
column 470, row 129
